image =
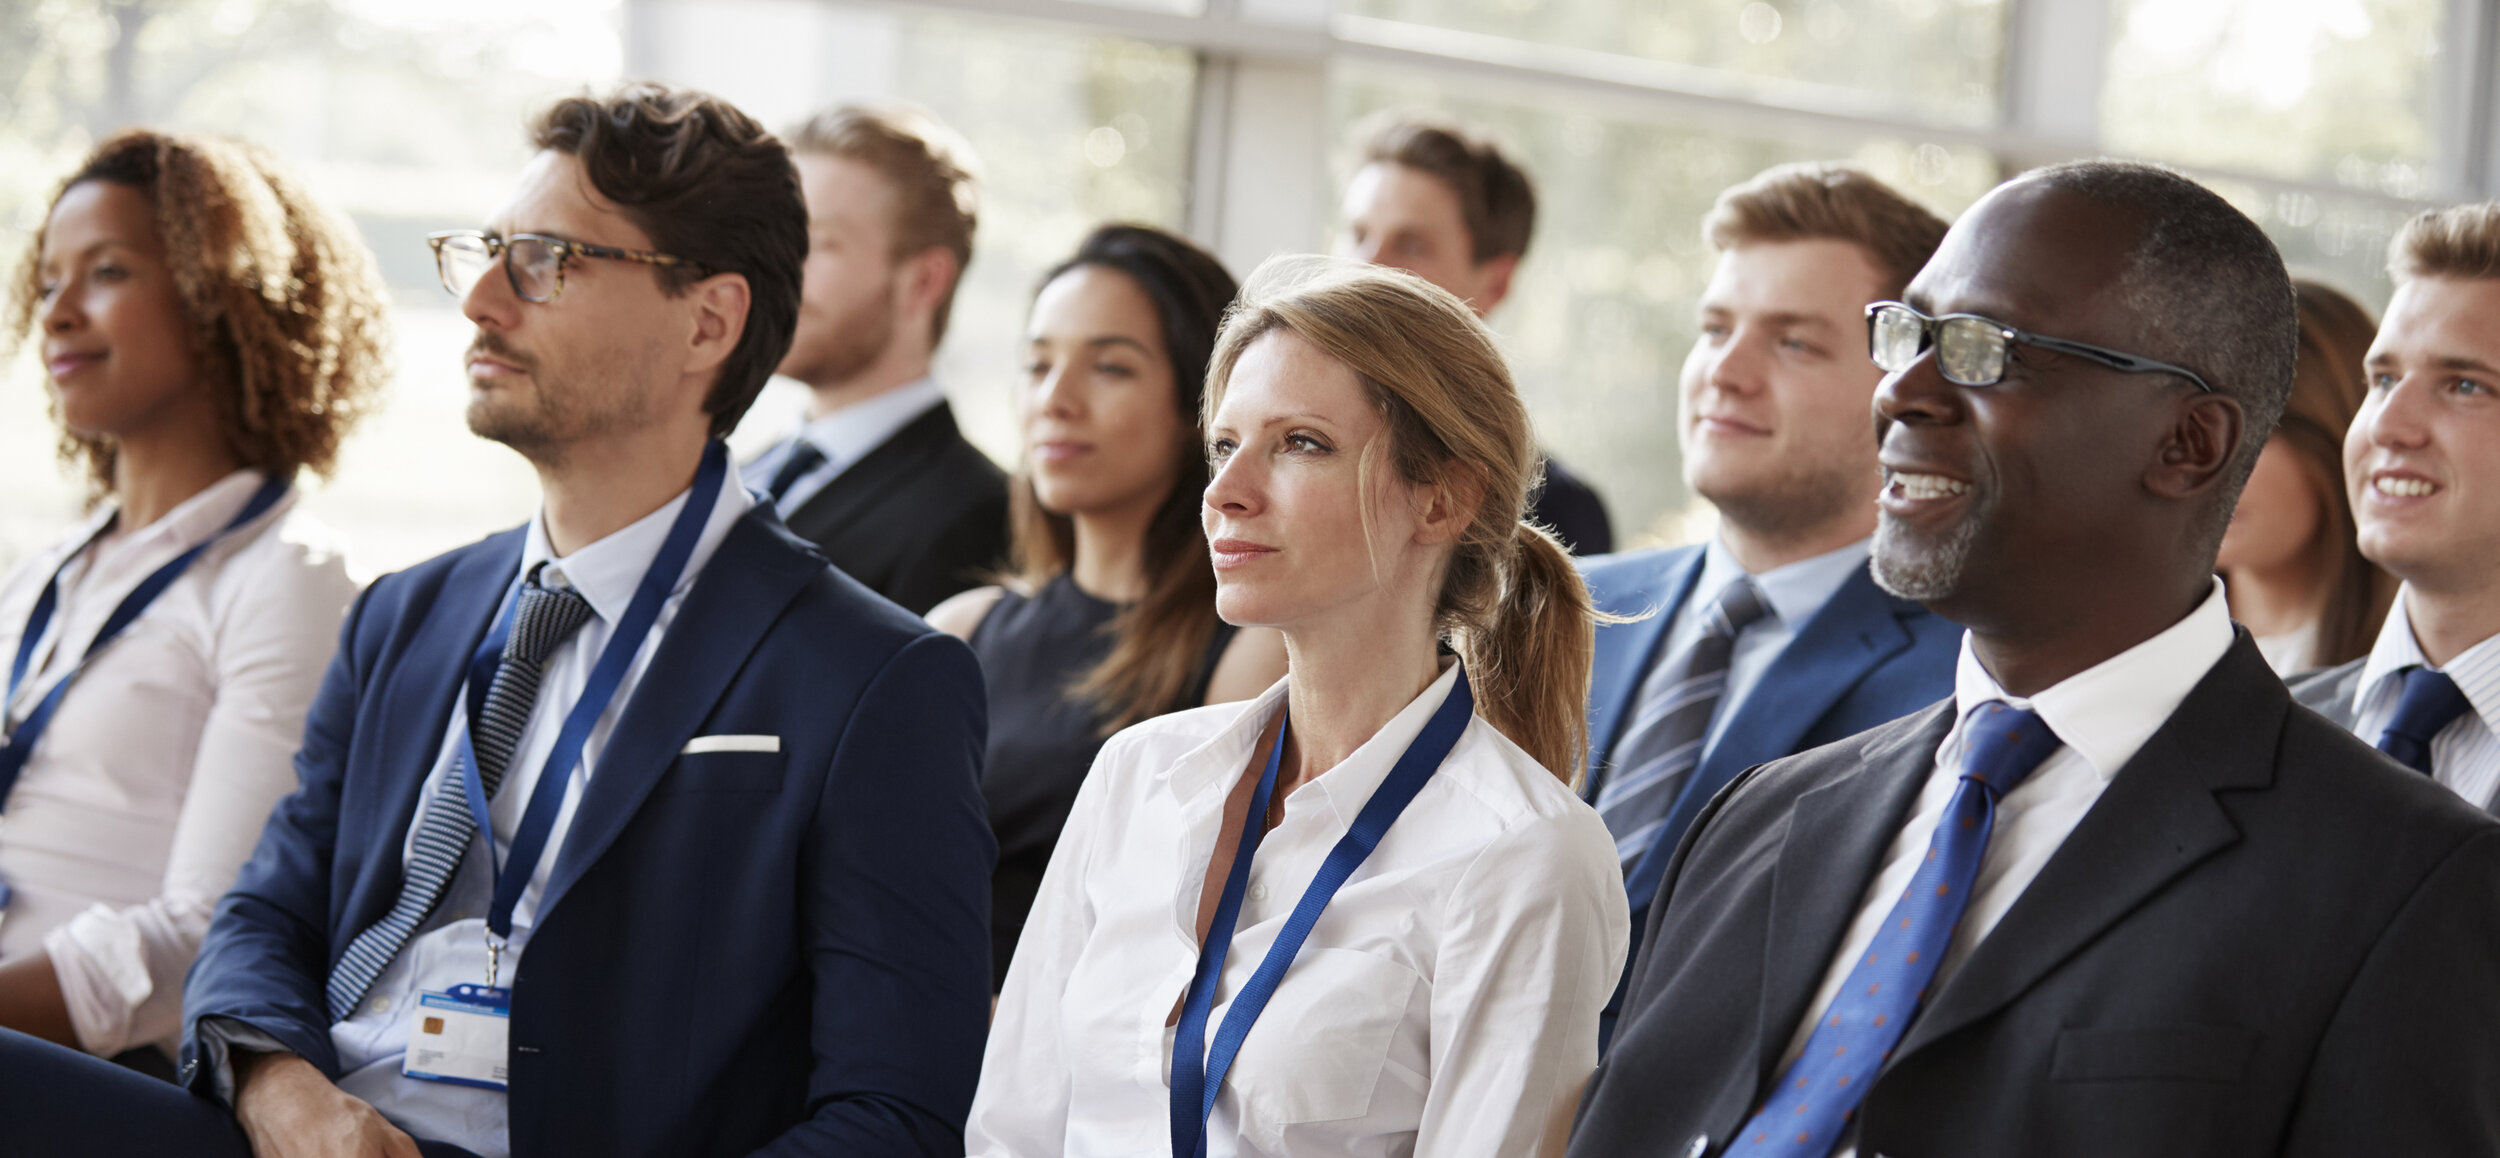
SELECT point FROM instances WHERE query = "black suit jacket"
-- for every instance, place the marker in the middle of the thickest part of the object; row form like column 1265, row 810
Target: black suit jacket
column 2265, row 938
column 921, row 517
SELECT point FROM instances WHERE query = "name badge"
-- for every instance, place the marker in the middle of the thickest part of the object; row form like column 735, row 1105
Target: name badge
column 460, row 1036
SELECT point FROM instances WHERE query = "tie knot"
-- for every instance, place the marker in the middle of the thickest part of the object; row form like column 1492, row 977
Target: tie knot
column 804, row 458
column 2002, row 744
column 2430, row 702
column 546, row 617
column 1739, row 604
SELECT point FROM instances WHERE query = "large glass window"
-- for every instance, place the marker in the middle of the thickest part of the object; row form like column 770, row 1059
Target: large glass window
column 1601, row 313
column 2339, row 91
column 1916, row 58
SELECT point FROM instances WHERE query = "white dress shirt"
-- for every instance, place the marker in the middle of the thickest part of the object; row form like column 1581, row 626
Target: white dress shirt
column 1445, row 1003
column 845, row 436
column 1792, row 594
column 148, row 791
column 2465, row 755
column 2103, row 714
column 450, row 948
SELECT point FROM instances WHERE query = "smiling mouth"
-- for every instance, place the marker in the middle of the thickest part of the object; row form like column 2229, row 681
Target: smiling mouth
column 2402, row 487
column 1927, row 486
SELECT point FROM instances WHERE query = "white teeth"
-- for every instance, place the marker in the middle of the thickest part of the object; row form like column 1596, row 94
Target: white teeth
column 2404, row 488
column 1928, row 486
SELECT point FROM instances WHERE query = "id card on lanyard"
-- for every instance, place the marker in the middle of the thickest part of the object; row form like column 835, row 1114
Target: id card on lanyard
column 17, row 743
column 1198, row 1069
column 461, row 1034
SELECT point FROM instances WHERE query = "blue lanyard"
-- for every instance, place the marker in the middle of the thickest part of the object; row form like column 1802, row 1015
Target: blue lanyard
column 20, row 743
column 1198, row 1070
column 529, row 841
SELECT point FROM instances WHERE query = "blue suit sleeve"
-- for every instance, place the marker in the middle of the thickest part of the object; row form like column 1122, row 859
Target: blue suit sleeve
column 265, row 959
column 896, row 908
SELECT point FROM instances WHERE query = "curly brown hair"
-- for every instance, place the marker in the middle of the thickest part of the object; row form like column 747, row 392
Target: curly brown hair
column 285, row 301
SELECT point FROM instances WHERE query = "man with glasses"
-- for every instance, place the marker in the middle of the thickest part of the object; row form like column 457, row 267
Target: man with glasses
column 638, row 830
column 2118, row 895
column 2422, row 466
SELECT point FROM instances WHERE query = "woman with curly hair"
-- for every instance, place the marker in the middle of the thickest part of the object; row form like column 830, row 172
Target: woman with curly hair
column 208, row 332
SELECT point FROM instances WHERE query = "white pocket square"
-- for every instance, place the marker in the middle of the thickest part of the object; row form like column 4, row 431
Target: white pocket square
column 702, row 744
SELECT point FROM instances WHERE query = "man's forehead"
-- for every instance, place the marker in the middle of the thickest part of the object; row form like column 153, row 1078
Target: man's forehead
column 555, row 197
column 2030, row 256
column 2441, row 319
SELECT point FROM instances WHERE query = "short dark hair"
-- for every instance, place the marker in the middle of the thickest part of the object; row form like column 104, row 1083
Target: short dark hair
column 710, row 185
column 1495, row 197
column 1824, row 201
column 936, row 182
column 2208, row 291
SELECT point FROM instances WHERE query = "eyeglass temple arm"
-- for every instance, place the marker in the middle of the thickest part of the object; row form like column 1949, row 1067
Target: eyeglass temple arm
column 2129, row 363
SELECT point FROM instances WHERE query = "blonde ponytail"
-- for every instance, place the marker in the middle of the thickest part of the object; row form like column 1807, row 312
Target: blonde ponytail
column 1511, row 603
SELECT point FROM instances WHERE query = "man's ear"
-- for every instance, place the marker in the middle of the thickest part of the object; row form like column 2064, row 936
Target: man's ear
column 720, row 302
column 927, row 278
column 1496, row 273
column 2196, row 451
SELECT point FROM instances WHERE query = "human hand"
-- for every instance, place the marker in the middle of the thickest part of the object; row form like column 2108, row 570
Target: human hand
column 289, row 1109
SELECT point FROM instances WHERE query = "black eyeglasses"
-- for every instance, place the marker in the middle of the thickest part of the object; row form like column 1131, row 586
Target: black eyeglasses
column 534, row 263
column 1970, row 349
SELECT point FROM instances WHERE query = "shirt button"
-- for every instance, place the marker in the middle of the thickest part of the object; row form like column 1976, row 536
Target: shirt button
column 379, row 1004
column 1258, row 892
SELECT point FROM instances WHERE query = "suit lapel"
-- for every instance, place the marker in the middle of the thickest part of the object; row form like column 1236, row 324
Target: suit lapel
column 2157, row 819
column 427, row 676
column 1857, row 629
column 858, row 489
column 1625, row 651
column 750, row 578
column 1837, row 835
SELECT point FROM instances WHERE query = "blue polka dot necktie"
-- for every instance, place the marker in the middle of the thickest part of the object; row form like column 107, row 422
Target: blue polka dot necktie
column 1809, row 1107
column 2429, row 702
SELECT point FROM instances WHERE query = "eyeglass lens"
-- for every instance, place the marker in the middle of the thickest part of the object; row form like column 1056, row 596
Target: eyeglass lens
column 1970, row 351
column 463, row 260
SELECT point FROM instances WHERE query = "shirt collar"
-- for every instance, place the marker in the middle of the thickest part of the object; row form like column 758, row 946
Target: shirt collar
column 1794, row 592
column 608, row 571
column 1346, row 787
column 2476, row 670
column 197, row 517
column 2107, row 711
column 848, row 433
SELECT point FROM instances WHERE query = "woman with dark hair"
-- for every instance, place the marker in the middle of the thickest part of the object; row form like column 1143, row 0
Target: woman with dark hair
column 208, row 332
column 2291, row 564
column 1109, row 615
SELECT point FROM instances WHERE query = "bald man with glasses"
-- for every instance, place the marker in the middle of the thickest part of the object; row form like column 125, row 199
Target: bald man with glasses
column 2118, row 894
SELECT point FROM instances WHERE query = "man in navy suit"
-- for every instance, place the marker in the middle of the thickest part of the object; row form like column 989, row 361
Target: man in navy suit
column 1772, row 638
column 731, row 892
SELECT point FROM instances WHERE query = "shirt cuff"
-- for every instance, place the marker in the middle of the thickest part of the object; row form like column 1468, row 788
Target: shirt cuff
column 218, row 1038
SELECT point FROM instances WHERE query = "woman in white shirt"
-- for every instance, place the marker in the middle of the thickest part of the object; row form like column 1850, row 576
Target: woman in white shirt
column 1372, row 461
column 208, row 332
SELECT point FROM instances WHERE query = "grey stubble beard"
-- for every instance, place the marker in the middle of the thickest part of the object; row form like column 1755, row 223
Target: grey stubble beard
column 1905, row 571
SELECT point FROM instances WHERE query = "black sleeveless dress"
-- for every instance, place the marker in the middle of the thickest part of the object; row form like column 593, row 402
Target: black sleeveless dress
column 1043, row 737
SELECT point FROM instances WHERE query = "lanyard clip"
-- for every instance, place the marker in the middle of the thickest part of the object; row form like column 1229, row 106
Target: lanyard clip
column 494, row 958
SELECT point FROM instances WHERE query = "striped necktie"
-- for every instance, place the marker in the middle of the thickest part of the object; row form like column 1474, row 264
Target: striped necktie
column 546, row 617
column 1663, row 744
column 1812, row 1101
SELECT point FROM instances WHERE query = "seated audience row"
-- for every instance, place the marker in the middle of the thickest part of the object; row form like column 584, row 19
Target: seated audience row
column 1755, row 810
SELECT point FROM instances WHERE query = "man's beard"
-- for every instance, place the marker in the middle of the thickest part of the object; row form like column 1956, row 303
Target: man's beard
column 855, row 343
column 1903, row 568
column 555, row 413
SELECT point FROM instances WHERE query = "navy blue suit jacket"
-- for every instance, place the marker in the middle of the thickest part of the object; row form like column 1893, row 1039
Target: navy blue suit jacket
column 1866, row 659
column 785, row 952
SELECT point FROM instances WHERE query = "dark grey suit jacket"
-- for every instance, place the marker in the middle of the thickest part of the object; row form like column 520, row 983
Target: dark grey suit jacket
column 2266, row 938
column 921, row 517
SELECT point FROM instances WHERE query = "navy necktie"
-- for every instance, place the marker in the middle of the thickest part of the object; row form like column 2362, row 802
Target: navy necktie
column 1809, row 1107
column 1663, row 743
column 804, row 457
column 2430, row 702
column 546, row 617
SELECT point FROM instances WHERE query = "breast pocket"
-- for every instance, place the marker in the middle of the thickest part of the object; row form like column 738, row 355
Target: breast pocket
column 1316, row 1053
column 2177, row 1053
column 726, row 772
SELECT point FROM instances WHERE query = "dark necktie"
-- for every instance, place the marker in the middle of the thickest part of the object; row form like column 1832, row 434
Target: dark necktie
column 2430, row 701
column 1663, row 742
column 804, row 457
column 546, row 617
column 1809, row 1107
